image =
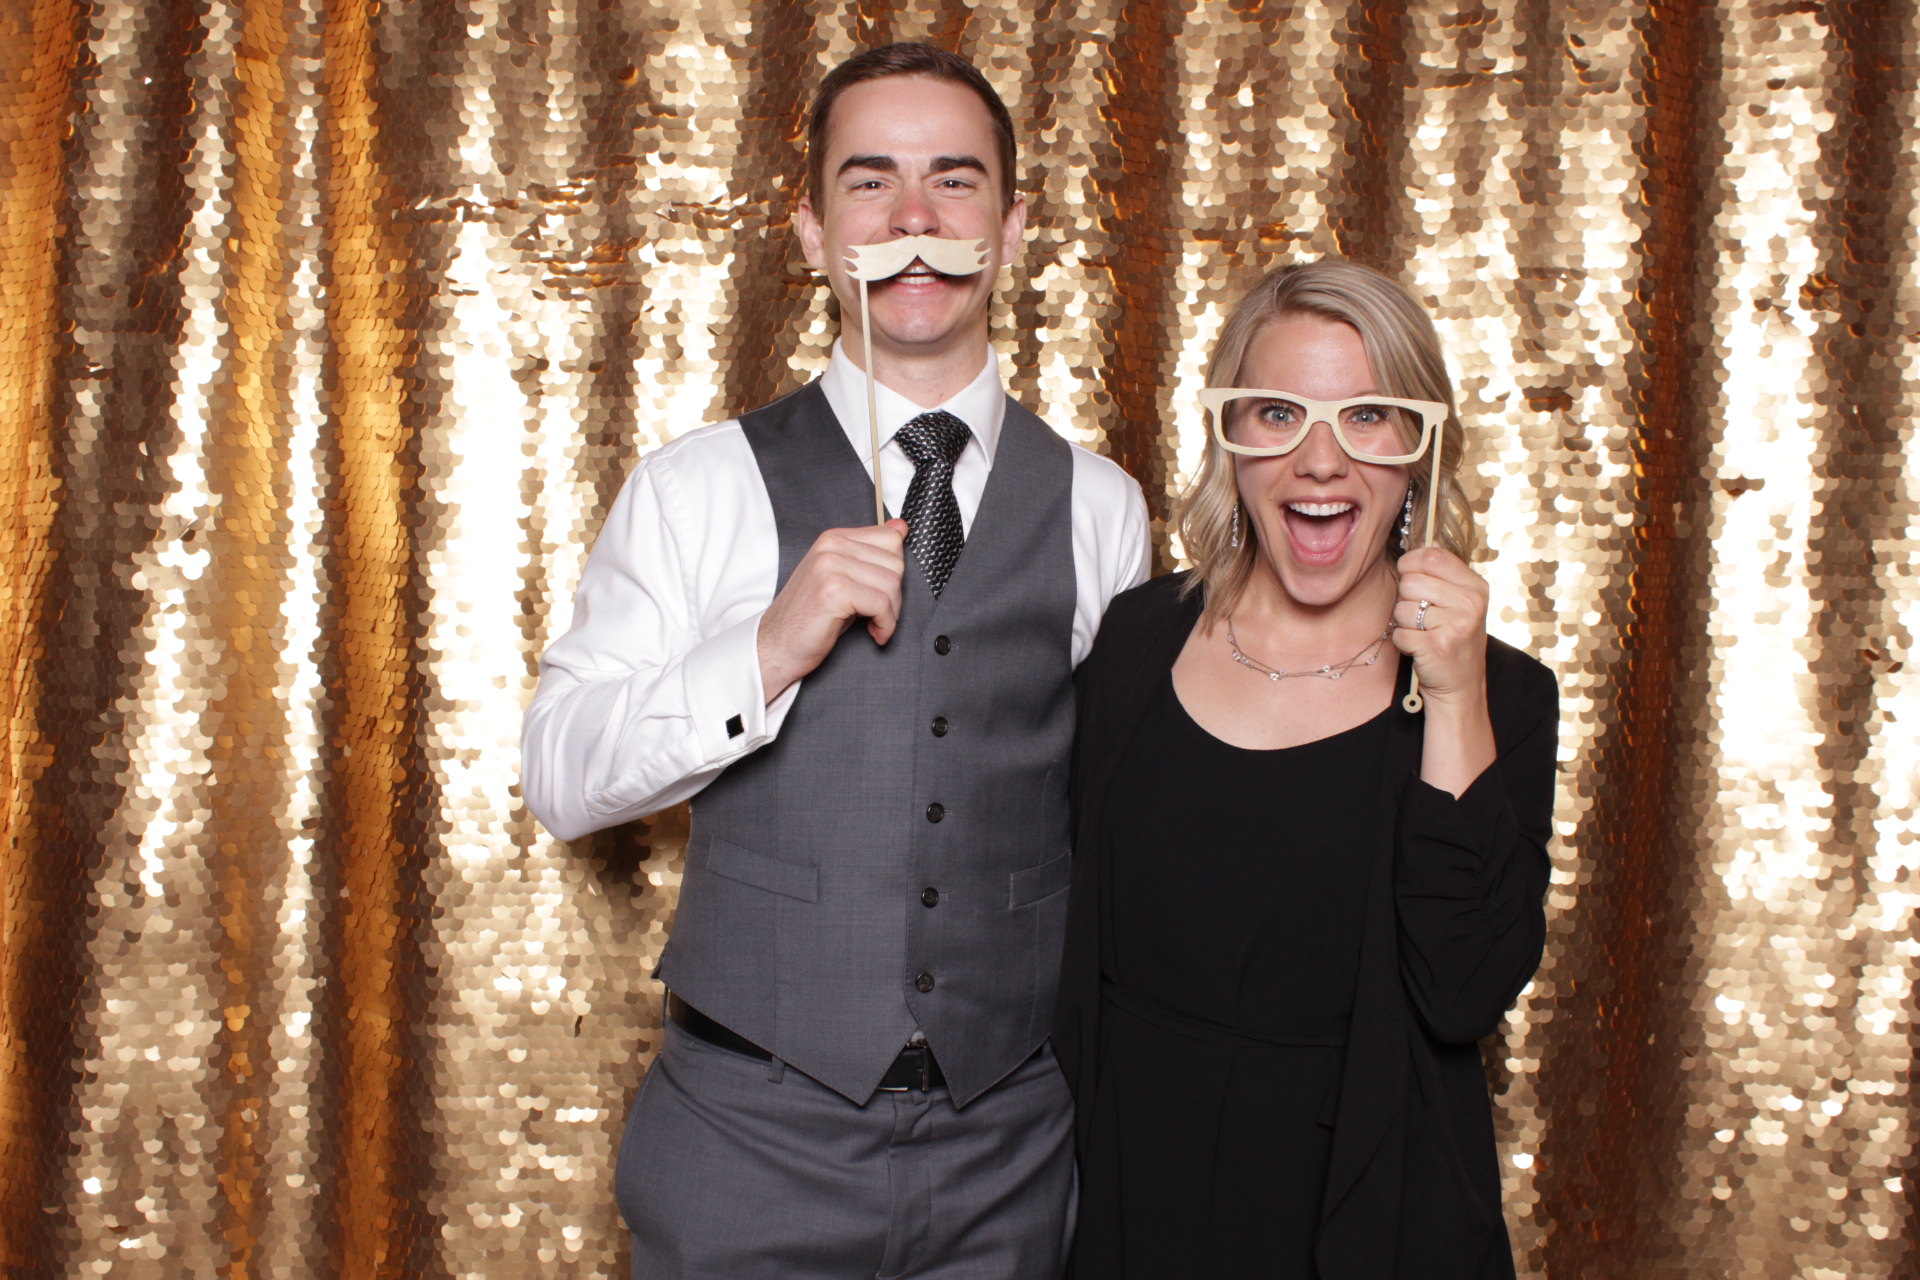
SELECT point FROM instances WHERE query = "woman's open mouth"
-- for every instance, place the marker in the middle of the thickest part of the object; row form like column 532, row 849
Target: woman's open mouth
column 1319, row 530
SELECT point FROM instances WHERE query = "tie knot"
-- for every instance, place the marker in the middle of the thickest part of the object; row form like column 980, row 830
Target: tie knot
column 933, row 435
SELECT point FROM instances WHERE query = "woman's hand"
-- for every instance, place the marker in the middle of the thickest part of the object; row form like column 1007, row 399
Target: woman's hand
column 1447, row 639
column 1450, row 655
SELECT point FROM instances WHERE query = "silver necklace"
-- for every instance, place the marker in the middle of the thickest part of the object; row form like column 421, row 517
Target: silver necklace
column 1367, row 656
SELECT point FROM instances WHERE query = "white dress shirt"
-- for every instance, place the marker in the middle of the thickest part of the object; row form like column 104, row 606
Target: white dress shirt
column 656, row 686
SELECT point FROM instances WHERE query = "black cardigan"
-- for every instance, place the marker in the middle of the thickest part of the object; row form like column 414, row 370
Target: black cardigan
column 1453, row 932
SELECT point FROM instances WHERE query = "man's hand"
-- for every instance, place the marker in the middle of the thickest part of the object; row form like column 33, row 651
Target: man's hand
column 846, row 574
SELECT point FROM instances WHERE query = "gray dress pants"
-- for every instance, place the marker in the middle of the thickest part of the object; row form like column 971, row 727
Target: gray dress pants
column 735, row 1169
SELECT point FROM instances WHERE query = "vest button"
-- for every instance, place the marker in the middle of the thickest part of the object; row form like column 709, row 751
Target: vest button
column 941, row 645
column 923, row 983
column 939, row 726
column 929, row 897
column 936, row 811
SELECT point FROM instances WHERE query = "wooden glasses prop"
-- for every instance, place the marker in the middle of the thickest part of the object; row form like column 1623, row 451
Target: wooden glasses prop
column 1364, row 428
column 883, row 261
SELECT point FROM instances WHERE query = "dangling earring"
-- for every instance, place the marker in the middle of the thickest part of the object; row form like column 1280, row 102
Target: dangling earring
column 1235, row 539
column 1406, row 518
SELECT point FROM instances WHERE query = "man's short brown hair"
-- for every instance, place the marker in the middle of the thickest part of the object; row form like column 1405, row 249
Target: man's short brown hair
column 908, row 59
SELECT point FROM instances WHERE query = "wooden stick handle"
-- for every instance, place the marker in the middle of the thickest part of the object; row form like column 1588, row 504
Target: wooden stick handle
column 873, row 406
column 1413, row 702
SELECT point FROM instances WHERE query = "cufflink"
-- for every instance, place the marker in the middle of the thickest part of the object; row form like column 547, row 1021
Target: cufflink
column 735, row 726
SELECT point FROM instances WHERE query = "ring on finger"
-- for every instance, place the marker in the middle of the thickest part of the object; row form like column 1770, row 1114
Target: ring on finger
column 1420, row 616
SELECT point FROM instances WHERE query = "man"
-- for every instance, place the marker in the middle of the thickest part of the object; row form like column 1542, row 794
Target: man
column 875, row 727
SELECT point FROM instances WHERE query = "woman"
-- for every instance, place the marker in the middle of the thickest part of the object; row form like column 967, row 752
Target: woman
column 1297, row 905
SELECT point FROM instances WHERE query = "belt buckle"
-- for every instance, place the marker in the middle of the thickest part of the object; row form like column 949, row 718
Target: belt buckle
column 925, row 1084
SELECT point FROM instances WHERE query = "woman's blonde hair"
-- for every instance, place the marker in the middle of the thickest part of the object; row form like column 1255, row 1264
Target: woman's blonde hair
column 1404, row 354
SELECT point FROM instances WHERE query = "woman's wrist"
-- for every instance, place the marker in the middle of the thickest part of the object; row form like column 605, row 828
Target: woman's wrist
column 1458, row 744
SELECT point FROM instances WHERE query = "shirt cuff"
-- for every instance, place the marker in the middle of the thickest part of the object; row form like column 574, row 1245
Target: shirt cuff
column 725, row 695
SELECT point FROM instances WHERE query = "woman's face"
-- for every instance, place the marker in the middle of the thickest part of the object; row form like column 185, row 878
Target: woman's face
column 1323, row 518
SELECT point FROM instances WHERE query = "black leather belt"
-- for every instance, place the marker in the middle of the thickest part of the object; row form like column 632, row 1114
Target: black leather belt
column 914, row 1068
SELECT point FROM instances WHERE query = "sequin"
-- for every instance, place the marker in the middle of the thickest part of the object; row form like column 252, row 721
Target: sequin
column 329, row 331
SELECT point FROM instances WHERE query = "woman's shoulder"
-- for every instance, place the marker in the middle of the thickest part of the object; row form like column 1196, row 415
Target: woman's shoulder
column 1167, row 593
column 1517, row 678
column 1154, row 601
column 1134, row 619
column 1516, row 662
column 1168, row 586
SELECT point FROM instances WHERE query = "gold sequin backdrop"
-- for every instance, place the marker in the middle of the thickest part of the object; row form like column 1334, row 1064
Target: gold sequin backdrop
column 328, row 329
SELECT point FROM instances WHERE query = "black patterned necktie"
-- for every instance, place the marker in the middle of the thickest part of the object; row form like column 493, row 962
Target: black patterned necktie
column 934, row 535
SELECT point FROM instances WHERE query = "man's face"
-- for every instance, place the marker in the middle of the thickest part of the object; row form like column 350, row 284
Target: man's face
column 912, row 155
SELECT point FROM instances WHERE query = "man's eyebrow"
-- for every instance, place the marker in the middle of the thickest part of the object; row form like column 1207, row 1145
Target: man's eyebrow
column 887, row 164
column 879, row 164
column 946, row 164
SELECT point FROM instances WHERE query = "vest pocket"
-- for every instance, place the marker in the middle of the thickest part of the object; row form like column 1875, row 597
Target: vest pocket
column 1024, row 888
column 789, row 879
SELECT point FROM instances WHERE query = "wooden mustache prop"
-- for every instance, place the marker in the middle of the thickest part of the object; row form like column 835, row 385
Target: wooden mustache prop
column 883, row 261
column 889, row 258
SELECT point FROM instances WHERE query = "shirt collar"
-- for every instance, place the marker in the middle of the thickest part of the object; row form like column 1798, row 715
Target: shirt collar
column 981, row 404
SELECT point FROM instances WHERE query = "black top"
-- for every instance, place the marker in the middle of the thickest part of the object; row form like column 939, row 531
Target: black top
column 1452, row 930
column 1234, row 906
column 1236, row 888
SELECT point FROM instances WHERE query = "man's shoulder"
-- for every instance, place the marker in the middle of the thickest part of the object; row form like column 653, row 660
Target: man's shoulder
column 1095, row 476
column 1101, row 472
column 700, row 470
column 1102, row 481
column 718, row 455
column 714, row 437
column 716, row 448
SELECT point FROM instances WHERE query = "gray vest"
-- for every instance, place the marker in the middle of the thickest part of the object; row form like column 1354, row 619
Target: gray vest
column 897, row 859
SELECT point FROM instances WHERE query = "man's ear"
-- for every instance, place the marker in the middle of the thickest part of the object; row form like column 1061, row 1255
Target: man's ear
column 812, row 235
column 1013, row 229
